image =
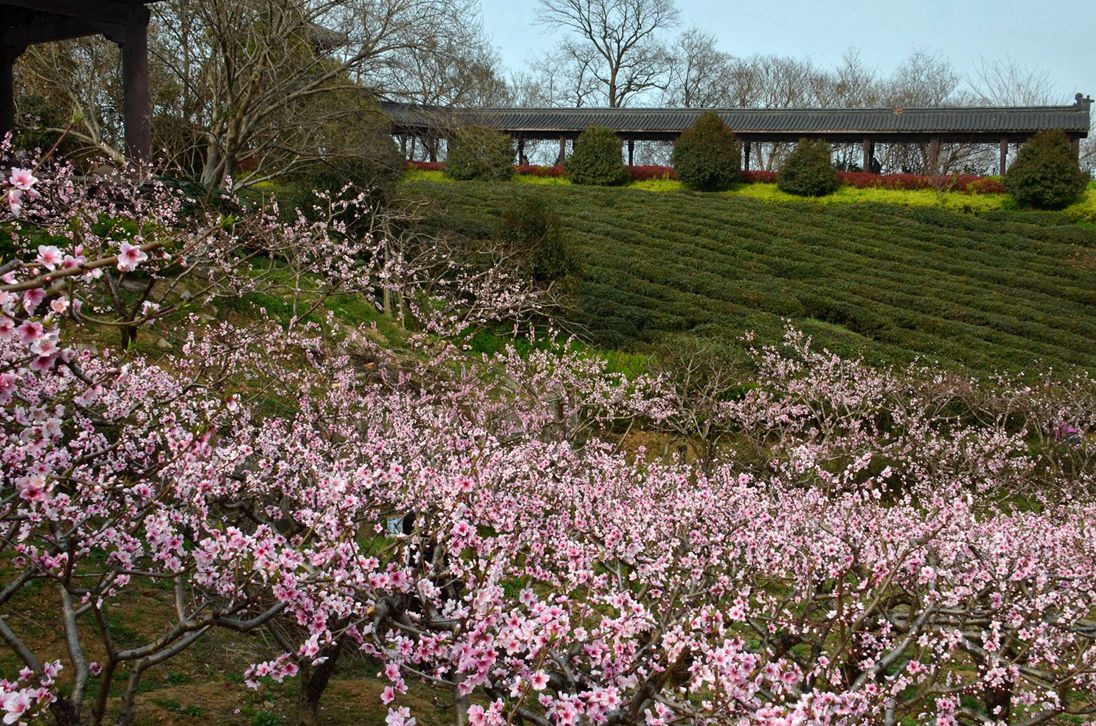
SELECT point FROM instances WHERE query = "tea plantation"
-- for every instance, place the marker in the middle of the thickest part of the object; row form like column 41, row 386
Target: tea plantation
column 1004, row 290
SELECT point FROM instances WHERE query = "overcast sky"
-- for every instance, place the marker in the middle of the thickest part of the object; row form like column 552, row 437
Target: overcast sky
column 1057, row 36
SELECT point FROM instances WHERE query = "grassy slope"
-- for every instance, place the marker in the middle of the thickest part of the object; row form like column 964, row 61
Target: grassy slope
column 1000, row 290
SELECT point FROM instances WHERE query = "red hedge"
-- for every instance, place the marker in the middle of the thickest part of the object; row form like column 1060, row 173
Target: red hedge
column 425, row 165
column 543, row 171
column 644, row 173
column 759, row 177
column 967, row 183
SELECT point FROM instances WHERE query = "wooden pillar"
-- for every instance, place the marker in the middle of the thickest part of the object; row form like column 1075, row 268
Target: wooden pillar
column 631, row 152
column 746, row 156
column 137, row 103
column 741, row 150
column 866, row 149
column 1076, row 143
column 521, row 151
column 7, row 89
column 562, row 151
column 1003, row 156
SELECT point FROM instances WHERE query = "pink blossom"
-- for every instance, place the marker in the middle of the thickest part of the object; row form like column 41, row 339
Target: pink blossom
column 49, row 256
column 29, row 332
column 15, row 201
column 129, row 256
column 22, row 179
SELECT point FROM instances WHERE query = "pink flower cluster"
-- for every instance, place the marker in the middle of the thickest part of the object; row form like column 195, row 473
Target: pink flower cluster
column 856, row 545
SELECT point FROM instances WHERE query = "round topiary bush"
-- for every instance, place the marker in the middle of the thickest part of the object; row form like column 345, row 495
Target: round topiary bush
column 534, row 234
column 476, row 152
column 597, row 159
column 706, row 155
column 808, row 171
column 1046, row 174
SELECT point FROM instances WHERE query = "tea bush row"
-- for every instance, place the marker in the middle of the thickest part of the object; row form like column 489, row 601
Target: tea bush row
column 992, row 292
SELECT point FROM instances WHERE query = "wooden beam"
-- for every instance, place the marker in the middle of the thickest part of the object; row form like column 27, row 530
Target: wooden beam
column 45, row 28
column 135, row 78
column 110, row 11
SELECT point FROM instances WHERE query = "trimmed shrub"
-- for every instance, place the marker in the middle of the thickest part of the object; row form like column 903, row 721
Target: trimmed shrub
column 1046, row 174
column 597, row 159
column 808, row 171
column 706, row 155
column 476, row 152
column 534, row 233
column 379, row 172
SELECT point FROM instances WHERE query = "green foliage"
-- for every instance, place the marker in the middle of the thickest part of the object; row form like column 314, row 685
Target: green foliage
column 808, row 171
column 534, row 232
column 1046, row 174
column 476, row 152
column 266, row 718
column 706, row 155
column 597, row 159
column 999, row 290
column 363, row 154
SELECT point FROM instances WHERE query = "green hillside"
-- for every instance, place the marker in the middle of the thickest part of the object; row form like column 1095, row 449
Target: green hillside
column 1002, row 290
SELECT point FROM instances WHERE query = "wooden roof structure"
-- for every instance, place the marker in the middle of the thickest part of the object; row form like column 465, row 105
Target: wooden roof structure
column 24, row 23
column 961, row 124
column 1002, row 125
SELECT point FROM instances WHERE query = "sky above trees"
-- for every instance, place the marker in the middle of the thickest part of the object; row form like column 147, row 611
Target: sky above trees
column 1055, row 40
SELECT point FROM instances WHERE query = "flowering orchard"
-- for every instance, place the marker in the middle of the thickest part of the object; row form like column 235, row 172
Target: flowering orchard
column 859, row 546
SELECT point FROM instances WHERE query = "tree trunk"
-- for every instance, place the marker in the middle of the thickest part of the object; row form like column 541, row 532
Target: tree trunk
column 64, row 712
column 314, row 680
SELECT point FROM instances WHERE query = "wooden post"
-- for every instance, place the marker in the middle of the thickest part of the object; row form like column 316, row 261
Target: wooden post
column 741, row 150
column 866, row 148
column 746, row 156
column 137, row 103
column 521, row 151
column 1076, row 143
column 403, row 146
column 7, row 89
column 1003, row 149
column 631, row 152
column 562, row 151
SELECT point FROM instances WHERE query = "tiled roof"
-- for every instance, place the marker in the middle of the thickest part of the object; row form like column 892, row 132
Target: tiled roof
column 806, row 121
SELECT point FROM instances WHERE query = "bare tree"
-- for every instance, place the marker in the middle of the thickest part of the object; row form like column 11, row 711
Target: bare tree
column 1005, row 82
column 700, row 76
column 244, row 66
column 74, row 87
column 851, row 85
column 566, row 76
column 922, row 80
column 455, row 66
column 620, row 38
